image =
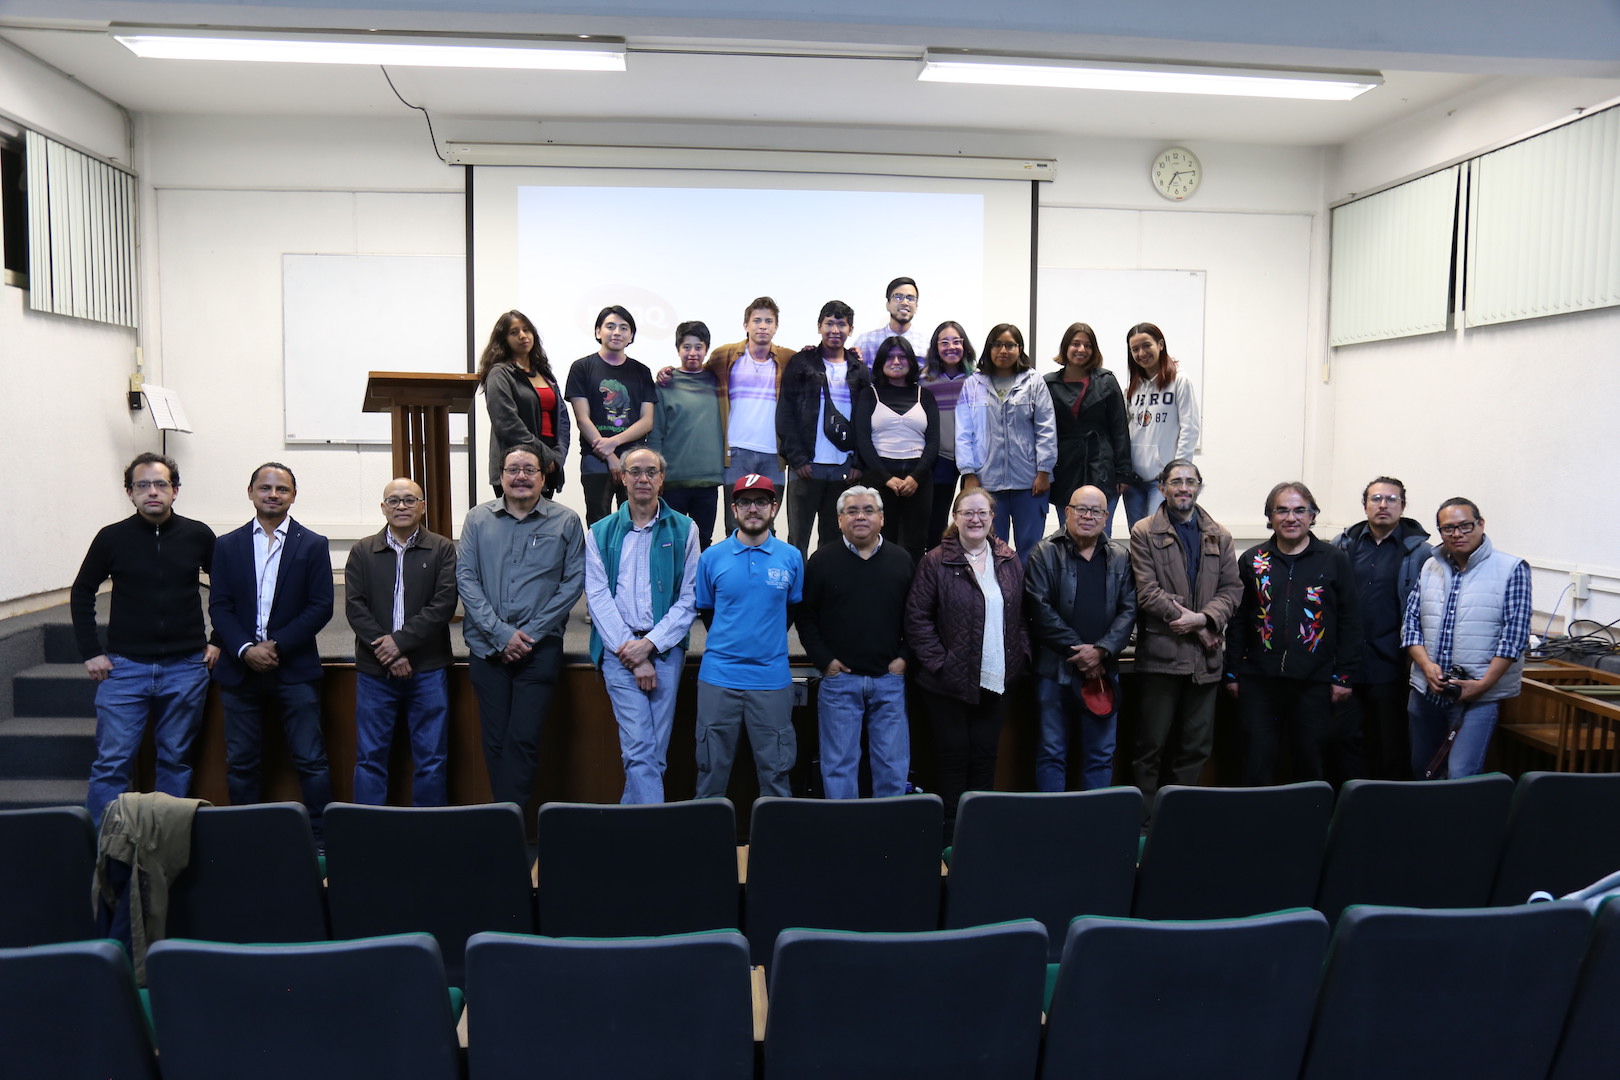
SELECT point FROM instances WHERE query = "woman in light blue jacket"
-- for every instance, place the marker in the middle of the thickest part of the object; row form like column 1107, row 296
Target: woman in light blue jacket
column 1006, row 436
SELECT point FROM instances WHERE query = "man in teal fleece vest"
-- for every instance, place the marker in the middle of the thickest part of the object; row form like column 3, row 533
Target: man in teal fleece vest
column 640, row 568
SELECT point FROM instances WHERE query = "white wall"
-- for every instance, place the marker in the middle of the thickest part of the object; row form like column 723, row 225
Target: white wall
column 1518, row 417
column 231, row 197
column 68, row 430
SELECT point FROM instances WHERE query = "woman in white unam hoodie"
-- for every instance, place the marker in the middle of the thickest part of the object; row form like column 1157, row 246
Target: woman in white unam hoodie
column 1161, row 412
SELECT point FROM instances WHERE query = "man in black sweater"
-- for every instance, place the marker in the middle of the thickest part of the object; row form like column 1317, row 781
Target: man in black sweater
column 851, row 627
column 157, row 658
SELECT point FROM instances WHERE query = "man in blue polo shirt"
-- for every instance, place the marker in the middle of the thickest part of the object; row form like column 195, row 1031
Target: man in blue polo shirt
column 747, row 588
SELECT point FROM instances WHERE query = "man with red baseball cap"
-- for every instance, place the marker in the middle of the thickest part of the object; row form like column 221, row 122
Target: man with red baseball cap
column 747, row 588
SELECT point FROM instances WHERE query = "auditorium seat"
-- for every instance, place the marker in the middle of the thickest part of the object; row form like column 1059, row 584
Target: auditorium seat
column 1140, row 1000
column 48, row 858
column 451, row 871
column 846, row 864
column 253, row 877
column 1427, row 844
column 71, row 1012
column 620, row 871
column 1412, row 994
column 1043, row 855
column 333, row 1010
column 942, row 1004
column 657, row 1008
column 1590, row 1046
column 1561, row 835
column 1226, row 853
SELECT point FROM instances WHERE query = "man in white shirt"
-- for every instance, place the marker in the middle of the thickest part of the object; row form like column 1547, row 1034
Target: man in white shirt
column 900, row 297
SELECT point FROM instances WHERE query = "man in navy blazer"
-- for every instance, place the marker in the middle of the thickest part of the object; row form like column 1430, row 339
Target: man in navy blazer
column 270, row 595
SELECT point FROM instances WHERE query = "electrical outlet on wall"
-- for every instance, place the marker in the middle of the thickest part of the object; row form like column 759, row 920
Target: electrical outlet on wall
column 1580, row 585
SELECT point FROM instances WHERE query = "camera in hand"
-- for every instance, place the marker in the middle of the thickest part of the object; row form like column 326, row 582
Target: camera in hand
column 1453, row 690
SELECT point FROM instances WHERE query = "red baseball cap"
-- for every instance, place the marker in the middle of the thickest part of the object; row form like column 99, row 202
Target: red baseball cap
column 754, row 482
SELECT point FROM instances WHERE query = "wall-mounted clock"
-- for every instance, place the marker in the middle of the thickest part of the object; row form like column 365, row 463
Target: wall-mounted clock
column 1176, row 173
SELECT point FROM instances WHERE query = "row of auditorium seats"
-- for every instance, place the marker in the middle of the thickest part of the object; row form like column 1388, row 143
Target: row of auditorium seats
column 865, row 865
column 1513, row 993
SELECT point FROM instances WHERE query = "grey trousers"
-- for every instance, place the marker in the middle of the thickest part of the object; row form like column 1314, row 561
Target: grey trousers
column 768, row 715
column 1171, row 707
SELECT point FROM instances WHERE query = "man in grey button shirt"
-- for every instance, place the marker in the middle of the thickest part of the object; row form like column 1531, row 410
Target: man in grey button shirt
column 520, row 568
column 640, row 567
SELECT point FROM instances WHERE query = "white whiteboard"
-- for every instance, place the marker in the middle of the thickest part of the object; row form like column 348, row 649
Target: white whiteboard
column 1113, row 301
column 344, row 316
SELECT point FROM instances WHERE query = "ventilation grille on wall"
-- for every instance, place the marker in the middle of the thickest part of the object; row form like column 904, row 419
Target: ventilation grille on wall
column 81, row 235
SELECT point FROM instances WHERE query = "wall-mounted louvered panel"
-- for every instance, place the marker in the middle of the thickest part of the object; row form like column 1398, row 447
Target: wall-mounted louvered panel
column 81, row 235
column 1544, row 235
column 1392, row 260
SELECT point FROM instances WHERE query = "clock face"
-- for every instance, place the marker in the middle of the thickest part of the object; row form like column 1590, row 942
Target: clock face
column 1176, row 173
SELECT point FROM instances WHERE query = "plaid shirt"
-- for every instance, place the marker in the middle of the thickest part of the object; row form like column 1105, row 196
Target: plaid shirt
column 1516, row 609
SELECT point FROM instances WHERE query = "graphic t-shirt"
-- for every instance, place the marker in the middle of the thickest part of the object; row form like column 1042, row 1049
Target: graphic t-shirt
column 615, row 394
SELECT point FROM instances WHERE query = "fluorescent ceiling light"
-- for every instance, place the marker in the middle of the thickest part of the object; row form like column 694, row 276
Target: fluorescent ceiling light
column 403, row 50
column 985, row 69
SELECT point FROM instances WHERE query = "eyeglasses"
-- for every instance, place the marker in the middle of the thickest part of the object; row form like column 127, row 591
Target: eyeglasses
column 1004, row 345
column 151, row 485
column 901, row 298
column 949, row 342
column 1089, row 511
column 1462, row 528
column 755, row 504
column 1291, row 511
column 651, row 472
column 393, row 502
column 1384, row 499
column 1183, row 482
column 860, row 511
column 521, row 470
column 973, row 515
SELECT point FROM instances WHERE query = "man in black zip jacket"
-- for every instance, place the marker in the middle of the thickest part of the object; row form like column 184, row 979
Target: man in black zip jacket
column 1294, row 648
column 157, row 658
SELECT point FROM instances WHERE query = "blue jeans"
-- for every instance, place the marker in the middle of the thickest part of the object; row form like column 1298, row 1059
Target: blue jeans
column 1429, row 723
column 1141, row 499
column 645, row 718
column 1026, row 513
column 843, row 702
column 423, row 698
column 1062, row 711
column 244, row 739
column 172, row 690
column 698, row 503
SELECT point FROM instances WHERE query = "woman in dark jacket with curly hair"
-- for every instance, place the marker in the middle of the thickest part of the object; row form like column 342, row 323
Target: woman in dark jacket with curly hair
column 1093, row 442
column 965, row 625
column 524, row 399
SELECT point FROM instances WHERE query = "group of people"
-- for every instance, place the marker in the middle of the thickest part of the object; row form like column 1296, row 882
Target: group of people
column 1377, row 631
column 911, row 414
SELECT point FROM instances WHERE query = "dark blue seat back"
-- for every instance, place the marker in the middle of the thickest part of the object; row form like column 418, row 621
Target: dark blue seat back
column 332, row 1010
column 622, row 871
column 855, row 864
column 1561, row 835
column 1043, row 855
column 943, row 1004
column 48, row 858
column 606, row 1009
column 1591, row 1043
column 1224, row 997
column 1227, row 853
column 1413, row 994
column 70, row 1012
column 451, row 871
column 1429, row 844
column 253, row 877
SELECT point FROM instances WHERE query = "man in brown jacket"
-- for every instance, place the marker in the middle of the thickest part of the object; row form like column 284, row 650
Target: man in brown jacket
column 1187, row 588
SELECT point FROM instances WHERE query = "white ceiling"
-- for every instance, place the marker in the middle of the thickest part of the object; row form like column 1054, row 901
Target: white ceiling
column 724, row 78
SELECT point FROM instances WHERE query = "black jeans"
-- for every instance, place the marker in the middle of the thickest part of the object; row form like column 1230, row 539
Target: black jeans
column 966, row 738
column 1273, row 711
column 513, row 700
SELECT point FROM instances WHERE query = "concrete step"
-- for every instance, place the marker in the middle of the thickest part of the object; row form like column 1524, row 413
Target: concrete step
column 54, row 690
column 43, row 747
column 24, row 794
column 60, row 645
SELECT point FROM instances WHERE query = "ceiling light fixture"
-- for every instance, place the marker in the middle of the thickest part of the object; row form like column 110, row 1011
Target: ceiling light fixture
column 986, row 69
column 403, row 50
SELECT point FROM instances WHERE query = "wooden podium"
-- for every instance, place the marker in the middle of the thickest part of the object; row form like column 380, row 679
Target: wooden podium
column 421, row 404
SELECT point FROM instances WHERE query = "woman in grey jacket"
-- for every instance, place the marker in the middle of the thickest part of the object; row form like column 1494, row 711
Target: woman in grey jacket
column 524, row 400
column 1006, row 437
